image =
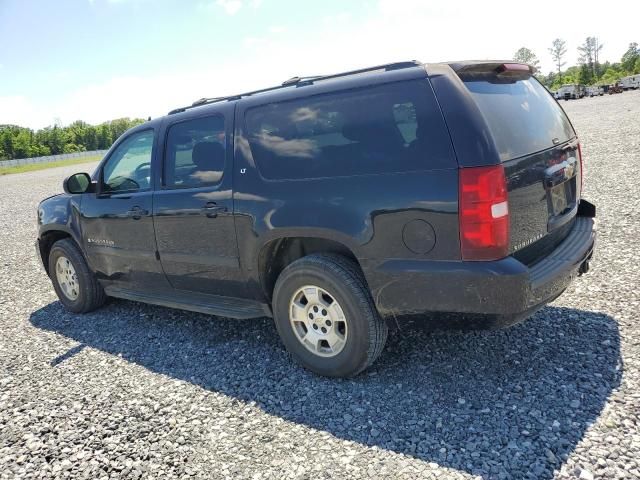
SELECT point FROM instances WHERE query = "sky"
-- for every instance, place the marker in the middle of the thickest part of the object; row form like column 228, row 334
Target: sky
column 96, row 60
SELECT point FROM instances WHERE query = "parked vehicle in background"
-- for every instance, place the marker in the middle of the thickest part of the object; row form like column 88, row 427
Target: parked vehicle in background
column 571, row 91
column 615, row 88
column 630, row 82
column 594, row 91
column 335, row 204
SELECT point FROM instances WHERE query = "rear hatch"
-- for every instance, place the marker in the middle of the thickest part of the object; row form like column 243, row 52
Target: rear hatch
column 538, row 149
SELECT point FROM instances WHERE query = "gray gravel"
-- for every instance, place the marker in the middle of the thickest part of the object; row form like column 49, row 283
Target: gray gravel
column 135, row 391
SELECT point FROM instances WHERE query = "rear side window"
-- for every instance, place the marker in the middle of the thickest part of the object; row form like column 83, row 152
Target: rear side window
column 390, row 128
column 522, row 116
column 194, row 154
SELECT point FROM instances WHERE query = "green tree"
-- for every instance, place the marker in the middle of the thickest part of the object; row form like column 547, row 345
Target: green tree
column 589, row 52
column 6, row 143
column 104, row 136
column 558, row 50
column 90, row 138
column 75, row 132
column 610, row 76
column 548, row 80
column 18, row 142
column 22, row 144
column 72, row 148
column 524, row 55
column 56, row 140
column 585, row 75
column 630, row 57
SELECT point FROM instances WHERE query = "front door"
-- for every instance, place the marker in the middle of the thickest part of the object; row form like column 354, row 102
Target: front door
column 193, row 209
column 116, row 222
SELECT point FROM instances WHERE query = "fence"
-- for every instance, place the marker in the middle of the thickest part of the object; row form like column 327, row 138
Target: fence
column 50, row 158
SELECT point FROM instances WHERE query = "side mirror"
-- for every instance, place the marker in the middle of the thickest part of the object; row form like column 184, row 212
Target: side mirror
column 77, row 183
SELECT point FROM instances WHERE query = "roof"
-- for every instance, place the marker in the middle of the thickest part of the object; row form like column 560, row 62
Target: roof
column 297, row 82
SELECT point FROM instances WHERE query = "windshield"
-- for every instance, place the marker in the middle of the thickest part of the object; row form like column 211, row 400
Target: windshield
column 522, row 116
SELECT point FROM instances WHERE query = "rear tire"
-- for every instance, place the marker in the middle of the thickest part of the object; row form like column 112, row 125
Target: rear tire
column 339, row 311
column 76, row 285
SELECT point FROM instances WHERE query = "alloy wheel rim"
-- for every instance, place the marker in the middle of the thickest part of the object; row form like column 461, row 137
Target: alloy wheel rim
column 318, row 321
column 67, row 278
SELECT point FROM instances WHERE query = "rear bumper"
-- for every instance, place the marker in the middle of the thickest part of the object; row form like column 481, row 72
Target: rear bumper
column 506, row 290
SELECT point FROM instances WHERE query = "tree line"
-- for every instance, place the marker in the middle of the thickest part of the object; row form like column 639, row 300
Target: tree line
column 20, row 142
column 589, row 71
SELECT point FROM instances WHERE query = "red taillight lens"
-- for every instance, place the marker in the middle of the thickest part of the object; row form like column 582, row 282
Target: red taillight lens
column 581, row 168
column 484, row 213
column 513, row 67
column 514, row 70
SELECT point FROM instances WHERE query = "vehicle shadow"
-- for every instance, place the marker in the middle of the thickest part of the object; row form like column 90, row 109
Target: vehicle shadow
column 484, row 402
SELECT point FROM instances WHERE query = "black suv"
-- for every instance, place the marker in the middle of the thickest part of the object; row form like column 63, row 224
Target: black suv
column 334, row 203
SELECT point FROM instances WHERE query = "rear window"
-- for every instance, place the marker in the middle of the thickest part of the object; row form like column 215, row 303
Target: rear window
column 390, row 128
column 522, row 116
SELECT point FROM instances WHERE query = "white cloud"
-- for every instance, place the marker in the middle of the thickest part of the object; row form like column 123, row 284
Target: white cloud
column 391, row 31
column 92, row 2
column 230, row 6
column 253, row 41
column 19, row 110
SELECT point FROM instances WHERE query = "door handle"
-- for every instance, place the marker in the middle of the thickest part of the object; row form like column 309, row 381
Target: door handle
column 137, row 213
column 211, row 209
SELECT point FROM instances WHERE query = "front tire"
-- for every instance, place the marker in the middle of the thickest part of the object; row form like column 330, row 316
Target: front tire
column 76, row 286
column 326, row 317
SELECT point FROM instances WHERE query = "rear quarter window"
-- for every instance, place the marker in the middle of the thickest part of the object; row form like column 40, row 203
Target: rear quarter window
column 522, row 116
column 390, row 128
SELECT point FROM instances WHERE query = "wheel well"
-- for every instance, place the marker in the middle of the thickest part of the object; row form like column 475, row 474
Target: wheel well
column 277, row 254
column 46, row 242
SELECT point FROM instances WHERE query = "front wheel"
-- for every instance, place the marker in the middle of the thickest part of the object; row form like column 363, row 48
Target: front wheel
column 326, row 317
column 76, row 286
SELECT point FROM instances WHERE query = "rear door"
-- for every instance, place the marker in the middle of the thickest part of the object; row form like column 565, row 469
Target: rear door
column 539, row 150
column 193, row 206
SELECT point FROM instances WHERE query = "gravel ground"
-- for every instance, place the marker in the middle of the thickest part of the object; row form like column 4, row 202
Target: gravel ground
column 135, row 391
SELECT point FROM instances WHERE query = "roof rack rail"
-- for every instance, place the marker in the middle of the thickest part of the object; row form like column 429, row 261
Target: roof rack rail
column 300, row 81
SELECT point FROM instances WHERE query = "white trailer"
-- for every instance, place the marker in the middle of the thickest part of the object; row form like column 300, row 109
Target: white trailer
column 630, row 82
column 595, row 91
column 571, row 91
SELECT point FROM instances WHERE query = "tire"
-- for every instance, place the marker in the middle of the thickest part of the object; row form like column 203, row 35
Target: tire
column 76, row 286
column 363, row 332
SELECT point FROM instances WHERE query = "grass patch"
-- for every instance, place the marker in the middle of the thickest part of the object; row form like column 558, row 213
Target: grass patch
column 30, row 167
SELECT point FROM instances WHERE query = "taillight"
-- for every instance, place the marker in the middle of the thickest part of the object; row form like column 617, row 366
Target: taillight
column 513, row 67
column 484, row 213
column 515, row 70
column 581, row 168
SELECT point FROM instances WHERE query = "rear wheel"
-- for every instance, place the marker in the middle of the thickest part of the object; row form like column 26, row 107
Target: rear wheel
column 326, row 317
column 76, row 286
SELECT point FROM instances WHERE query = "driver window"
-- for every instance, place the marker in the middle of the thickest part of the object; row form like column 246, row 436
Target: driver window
column 129, row 167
